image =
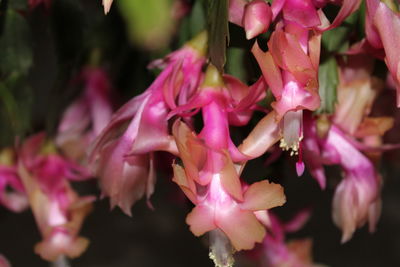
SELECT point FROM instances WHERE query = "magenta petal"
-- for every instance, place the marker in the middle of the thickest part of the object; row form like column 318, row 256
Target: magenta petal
column 257, row 17
column 236, row 11
column 153, row 127
column 300, row 168
column 301, row 12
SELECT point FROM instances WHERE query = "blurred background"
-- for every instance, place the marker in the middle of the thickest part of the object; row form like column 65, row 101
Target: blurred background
column 44, row 45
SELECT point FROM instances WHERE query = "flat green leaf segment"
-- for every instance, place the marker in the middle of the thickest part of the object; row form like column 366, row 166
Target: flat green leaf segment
column 218, row 32
column 15, row 45
column 328, row 82
column 337, row 40
column 149, row 23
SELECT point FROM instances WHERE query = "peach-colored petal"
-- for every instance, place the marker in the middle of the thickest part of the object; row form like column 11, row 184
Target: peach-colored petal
column 374, row 126
column 262, row 137
column 263, row 195
column 242, row 228
column 230, row 179
column 191, row 150
column 201, row 220
column 188, row 187
column 270, row 70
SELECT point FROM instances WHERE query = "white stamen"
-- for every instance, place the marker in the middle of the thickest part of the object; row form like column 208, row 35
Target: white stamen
column 292, row 131
column 221, row 250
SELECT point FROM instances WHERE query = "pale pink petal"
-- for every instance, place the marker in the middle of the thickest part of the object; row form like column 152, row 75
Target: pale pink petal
column 201, row 220
column 107, row 5
column 263, row 196
column 257, row 17
column 262, row 137
column 242, row 228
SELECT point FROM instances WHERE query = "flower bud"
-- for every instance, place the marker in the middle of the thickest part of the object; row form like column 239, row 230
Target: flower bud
column 257, row 17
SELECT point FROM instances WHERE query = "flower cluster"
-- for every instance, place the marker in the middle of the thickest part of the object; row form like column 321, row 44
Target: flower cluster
column 191, row 110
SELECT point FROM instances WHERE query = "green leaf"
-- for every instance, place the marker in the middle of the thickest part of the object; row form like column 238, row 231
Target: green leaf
column 18, row 4
column 15, row 44
column 328, row 82
column 337, row 39
column 218, row 32
column 193, row 24
column 235, row 63
column 149, row 22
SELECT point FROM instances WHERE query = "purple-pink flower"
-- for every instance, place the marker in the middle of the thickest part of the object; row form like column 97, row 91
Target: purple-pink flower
column 15, row 200
column 59, row 212
column 87, row 116
column 122, row 155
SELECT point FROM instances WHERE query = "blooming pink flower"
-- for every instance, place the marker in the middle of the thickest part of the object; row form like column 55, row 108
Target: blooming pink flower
column 210, row 180
column 257, row 17
column 120, row 155
column 59, row 212
column 87, row 116
column 15, row 200
column 221, row 201
column 290, row 69
column 383, row 31
column 357, row 197
column 4, row 262
column 279, row 253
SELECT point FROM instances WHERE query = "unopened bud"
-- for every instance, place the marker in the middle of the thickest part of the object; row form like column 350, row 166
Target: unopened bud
column 257, row 17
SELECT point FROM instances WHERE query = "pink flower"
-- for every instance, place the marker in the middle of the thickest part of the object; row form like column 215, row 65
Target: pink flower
column 383, row 31
column 356, row 199
column 4, row 262
column 224, row 207
column 211, row 182
column 290, row 69
column 87, row 116
column 120, row 155
column 256, row 18
column 15, row 200
column 59, row 212
column 279, row 253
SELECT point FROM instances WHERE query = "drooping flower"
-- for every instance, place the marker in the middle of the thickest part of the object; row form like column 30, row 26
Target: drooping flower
column 357, row 197
column 257, row 17
column 279, row 253
column 122, row 155
column 383, row 31
column 290, row 69
column 87, row 116
column 224, row 206
column 16, row 199
column 4, row 262
column 58, row 210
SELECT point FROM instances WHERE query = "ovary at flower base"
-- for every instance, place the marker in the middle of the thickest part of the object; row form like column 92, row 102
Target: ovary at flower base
column 122, row 155
column 58, row 210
